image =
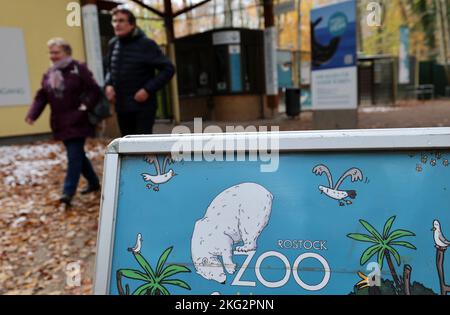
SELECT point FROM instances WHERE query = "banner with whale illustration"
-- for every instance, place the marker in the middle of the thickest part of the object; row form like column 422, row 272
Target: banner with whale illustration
column 334, row 56
column 324, row 223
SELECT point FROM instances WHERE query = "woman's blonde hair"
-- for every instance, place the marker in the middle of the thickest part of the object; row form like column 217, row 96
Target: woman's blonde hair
column 60, row 42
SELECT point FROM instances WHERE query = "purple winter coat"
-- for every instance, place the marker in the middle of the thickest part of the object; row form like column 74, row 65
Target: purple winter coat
column 66, row 120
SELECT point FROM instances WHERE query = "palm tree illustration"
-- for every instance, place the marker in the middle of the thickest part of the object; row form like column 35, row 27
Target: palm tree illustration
column 384, row 244
column 154, row 280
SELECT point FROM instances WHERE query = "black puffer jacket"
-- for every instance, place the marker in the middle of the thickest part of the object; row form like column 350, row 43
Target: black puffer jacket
column 131, row 65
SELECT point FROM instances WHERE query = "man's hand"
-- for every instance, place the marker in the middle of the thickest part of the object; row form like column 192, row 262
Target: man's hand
column 29, row 121
column 141, row 96
column 110, row 93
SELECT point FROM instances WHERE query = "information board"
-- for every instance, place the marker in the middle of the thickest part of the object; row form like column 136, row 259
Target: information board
column 334, row 58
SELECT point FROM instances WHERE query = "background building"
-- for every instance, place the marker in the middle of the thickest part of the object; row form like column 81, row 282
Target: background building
column 25, row 27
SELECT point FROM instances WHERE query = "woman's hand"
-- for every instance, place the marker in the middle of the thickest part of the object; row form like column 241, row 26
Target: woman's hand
column 110, row 94
column 141, row 96
column 29, row 121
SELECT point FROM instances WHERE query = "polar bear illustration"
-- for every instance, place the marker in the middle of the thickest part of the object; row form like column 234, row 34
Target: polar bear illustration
column 236, row 215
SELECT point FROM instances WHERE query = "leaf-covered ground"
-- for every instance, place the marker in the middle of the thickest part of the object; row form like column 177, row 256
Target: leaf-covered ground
column 39, row 237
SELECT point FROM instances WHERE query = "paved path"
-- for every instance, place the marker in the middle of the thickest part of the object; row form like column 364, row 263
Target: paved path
column 417, row 114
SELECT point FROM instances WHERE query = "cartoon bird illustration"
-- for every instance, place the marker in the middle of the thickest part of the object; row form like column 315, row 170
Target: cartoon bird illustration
column 439, row 238
column 333, row 191
column 161, row 176
column 137, row 247
column 366, row 282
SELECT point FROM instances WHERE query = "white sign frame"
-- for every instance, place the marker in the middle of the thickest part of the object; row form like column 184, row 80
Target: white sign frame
column 294, row 141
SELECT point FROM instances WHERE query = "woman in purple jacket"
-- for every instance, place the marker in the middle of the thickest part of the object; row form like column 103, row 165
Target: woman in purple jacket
column 62, row 87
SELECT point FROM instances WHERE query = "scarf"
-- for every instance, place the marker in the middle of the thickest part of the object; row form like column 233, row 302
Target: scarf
column 55, row 78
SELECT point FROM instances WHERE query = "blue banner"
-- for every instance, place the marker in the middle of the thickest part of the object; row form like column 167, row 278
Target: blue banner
column 333, row 36
column 404, row 63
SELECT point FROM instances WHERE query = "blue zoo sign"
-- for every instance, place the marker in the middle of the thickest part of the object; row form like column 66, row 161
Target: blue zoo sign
column 343, row 213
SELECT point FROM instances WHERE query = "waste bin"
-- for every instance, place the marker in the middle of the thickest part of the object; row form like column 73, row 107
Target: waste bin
column 292, row 101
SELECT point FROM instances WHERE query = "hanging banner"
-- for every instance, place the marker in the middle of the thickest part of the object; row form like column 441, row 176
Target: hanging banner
column 284, row 68
column 14, row 79
column 92, row 41
column 404, row 63
column 334, row 57
column 270, row 60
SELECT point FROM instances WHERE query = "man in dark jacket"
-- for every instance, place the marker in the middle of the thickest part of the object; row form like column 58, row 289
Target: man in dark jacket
column 131, row 82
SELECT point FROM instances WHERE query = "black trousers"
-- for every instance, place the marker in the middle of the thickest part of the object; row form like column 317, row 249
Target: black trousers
column 136, row 123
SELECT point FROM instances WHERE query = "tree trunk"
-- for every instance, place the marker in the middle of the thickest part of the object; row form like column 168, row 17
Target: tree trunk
column 392, row 269
column 188, row 17
column 241, row 13
column 374, row 290
column 407, row 279
column 119, row 285
column 440, row 255
column 404, row 12
column 228, row 20
column 381, row 29
column 214, row 13
column 360, row 28
column 444, row 36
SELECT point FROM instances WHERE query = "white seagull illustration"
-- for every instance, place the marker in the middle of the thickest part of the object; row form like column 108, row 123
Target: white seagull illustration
column 439, row 238
column 333, row 191
column 161, row 176
column 137, row 248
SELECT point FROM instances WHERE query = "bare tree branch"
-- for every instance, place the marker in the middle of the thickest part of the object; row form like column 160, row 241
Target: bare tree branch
column 142, row 4
column 190, row 8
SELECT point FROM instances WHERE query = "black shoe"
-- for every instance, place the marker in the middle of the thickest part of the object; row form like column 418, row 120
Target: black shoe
column 66, row 198
column 90, row 189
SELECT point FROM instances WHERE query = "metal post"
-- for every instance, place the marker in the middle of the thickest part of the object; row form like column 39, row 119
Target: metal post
column 394, row 68
column 168, row 21
column 299, row 44
column 170, row 35
column 269, row 22
column 174, row 87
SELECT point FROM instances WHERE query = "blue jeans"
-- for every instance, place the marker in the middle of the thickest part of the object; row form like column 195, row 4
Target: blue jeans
column 78, row 164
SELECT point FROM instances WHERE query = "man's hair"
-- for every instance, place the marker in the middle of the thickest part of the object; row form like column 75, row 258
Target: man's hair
column 60, row 42
column 128, row 13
